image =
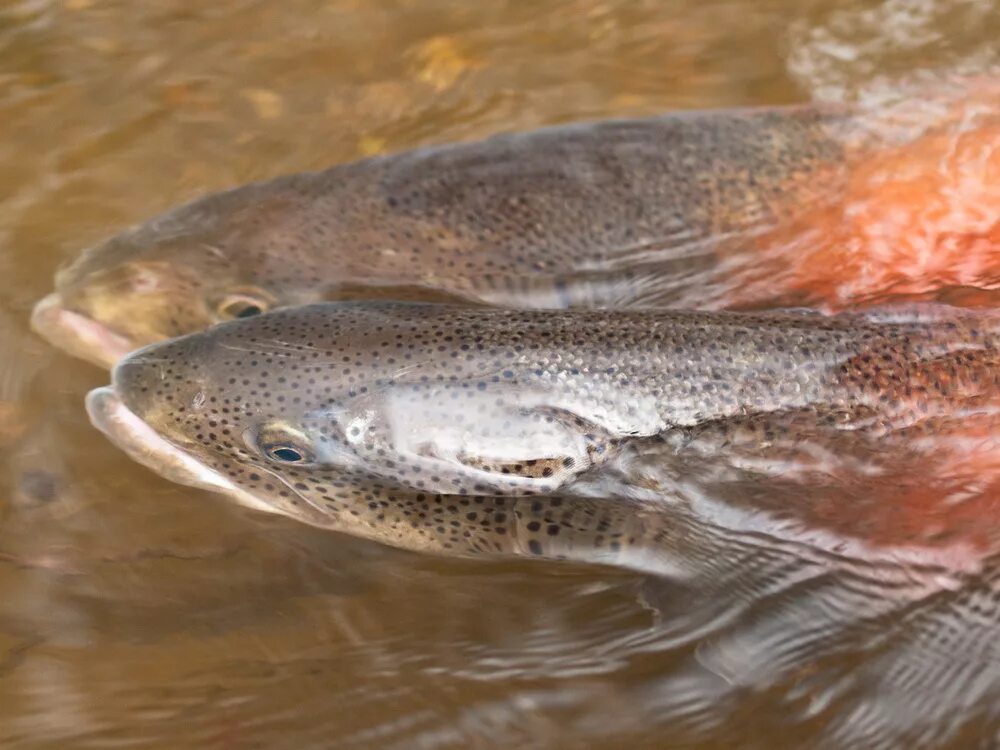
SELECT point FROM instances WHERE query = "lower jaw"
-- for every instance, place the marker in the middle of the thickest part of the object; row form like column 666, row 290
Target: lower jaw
column 77, row 334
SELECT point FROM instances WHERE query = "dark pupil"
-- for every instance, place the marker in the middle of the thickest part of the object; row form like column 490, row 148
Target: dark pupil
column 286, row 454
column 248, row 311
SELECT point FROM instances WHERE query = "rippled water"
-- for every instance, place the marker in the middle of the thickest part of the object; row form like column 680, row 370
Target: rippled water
column 137, row 614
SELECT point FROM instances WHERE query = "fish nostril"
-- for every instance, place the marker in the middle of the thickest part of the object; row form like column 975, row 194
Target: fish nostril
column 128, row 379
column 142, row 369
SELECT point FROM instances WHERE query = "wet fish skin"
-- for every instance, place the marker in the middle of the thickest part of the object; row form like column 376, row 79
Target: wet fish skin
column 415, row 424
column 588, row 215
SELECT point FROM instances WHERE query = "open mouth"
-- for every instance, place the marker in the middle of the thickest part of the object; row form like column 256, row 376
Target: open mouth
column 145, row 446
column 77, row 334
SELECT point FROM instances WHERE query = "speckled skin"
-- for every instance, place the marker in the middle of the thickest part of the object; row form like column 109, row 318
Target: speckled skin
column 587, row 215
column 430, row 426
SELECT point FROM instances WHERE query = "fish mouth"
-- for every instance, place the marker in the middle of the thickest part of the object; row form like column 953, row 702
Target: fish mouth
column 127, row 431
column 77, row 334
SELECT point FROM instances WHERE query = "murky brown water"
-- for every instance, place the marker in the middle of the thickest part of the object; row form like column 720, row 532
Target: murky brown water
column 137, row 614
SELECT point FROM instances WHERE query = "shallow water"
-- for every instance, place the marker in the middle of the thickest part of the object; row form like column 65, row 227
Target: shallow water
column 137, row 614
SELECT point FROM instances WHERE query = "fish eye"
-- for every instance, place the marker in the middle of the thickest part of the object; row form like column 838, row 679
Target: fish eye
column 280, row 443
column 241, row 306
column 286, row 454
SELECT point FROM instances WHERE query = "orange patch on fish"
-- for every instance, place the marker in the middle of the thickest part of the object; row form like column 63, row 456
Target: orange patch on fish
column 919, row 221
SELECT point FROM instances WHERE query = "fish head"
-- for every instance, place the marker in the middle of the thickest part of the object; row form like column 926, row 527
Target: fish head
column 227, row 256
column 167, row 409
column 109, row 313
column 303, row 406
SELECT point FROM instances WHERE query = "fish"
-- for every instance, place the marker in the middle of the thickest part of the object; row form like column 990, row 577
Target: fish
column 602, row 214
column 811, row 205
column 479, row 430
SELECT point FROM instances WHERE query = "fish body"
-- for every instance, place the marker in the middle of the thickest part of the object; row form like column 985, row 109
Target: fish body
column 583, row 215
column 406, row 422
column 743, row 209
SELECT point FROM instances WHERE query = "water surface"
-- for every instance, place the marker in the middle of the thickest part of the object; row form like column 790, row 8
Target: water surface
column 138, row 614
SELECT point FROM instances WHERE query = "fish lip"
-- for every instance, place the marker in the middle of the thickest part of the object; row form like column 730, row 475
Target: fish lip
column 127, row 431
column 76, row 333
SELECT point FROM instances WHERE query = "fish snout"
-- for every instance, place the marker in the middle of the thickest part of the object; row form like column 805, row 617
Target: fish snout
column 162, row 379
column 138, row 383
column 76, row 333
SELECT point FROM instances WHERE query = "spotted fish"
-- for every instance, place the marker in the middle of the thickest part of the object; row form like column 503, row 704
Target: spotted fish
column 471, row 429
column 591, row 215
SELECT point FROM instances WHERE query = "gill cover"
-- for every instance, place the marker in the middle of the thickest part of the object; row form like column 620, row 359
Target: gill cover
column 465, row 437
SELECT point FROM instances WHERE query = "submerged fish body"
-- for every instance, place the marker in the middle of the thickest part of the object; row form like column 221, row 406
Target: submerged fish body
column 469, row 429
column 806, row 205
column 587, row 215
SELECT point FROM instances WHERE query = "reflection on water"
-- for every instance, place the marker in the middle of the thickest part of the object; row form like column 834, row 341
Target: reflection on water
column 860, row 51
column 138, row 614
